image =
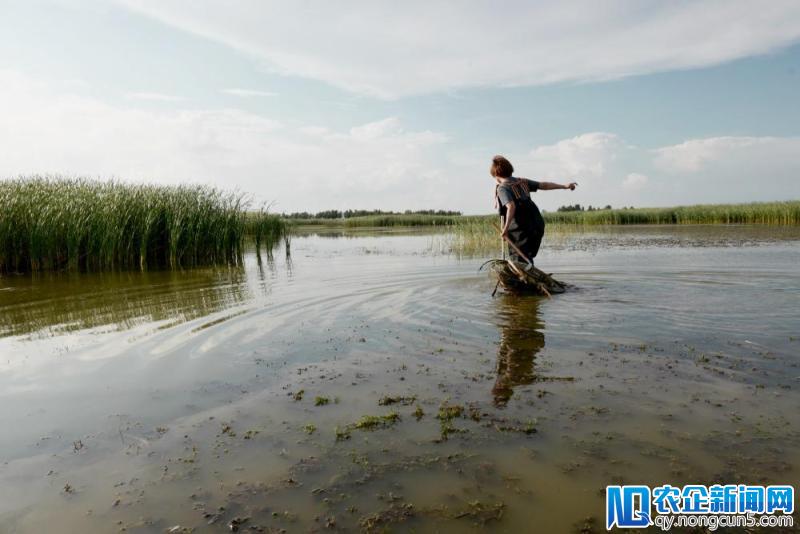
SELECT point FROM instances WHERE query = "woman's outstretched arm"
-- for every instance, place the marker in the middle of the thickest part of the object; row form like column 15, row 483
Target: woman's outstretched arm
column 545, row 186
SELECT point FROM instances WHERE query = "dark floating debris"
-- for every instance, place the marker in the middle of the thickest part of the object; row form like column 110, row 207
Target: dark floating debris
column 519, row 279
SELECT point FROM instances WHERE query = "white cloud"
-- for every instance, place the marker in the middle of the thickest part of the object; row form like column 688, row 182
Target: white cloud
column 375, row 130
column 375, row 165
column 635, row 180
column 710, row 170
column 314, row 131
column 588, row 154
column 248, row 93
column 594, row 160
column 695, row 154
column 733, row 169
column 392, row 49
column 155, row 97
column 76, row 84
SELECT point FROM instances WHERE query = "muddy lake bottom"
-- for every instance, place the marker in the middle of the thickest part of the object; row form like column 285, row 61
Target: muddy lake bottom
column 370, row 382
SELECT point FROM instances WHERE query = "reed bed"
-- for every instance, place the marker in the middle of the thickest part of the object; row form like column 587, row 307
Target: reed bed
column 470, row 237
column 775, row 213
column 265, row 228
column 475, row 235
column 53, row 223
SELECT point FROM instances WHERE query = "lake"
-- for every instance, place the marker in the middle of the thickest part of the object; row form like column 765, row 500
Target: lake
column 370, row 381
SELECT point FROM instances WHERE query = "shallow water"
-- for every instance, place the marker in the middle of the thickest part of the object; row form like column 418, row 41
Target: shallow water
column 147, row 401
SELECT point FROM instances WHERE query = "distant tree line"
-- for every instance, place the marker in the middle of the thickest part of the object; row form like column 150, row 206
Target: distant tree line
column 578, row 207
column 337, row 214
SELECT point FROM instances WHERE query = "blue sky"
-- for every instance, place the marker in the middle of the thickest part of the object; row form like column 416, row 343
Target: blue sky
column 373, row 105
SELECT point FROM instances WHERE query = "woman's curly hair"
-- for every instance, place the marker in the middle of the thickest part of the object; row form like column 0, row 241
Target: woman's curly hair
column 501, row 167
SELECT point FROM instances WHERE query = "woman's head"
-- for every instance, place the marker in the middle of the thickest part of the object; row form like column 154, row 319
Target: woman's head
column 501, row 167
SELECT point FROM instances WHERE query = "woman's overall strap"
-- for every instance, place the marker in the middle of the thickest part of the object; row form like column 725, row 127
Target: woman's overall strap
column 520, row 188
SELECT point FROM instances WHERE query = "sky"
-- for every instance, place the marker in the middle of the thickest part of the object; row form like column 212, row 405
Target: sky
column 312, row 105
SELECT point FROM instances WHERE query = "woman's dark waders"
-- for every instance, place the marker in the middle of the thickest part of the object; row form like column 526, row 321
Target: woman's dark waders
column 527, row 228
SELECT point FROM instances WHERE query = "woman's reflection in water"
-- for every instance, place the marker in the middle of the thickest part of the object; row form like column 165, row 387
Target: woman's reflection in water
column 521, row 339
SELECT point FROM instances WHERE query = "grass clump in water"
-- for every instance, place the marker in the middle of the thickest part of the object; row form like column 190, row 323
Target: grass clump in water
column 448, row 412
column 265, row 228
column 367, row 422
column 388, row 400
column 371, row 422
column 52, row 223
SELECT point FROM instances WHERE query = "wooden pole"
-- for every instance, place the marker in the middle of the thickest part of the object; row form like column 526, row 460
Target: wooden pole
column 502, row 241
column 511, row 244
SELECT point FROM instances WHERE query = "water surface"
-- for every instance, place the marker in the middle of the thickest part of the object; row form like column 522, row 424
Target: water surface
column 194, row 399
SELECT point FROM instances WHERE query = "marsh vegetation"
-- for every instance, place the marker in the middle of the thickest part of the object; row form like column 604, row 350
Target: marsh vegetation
column 775, row 213
column 51, row 223
column 771, row 213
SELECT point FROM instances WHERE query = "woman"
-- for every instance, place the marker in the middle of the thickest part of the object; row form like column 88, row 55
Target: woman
column 523, row 224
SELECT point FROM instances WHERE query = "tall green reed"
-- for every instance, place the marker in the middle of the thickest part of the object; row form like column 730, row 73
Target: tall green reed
column 479, row 234
column 53, row 223
column 777, row 213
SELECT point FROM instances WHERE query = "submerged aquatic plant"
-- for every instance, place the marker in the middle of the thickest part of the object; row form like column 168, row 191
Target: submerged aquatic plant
column 405, row 400
column 367, row 422
column 448, row 412
column 371, row 422
column 53, row 223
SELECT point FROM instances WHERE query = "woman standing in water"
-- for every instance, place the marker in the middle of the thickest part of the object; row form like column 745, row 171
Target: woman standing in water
column 523, row 224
